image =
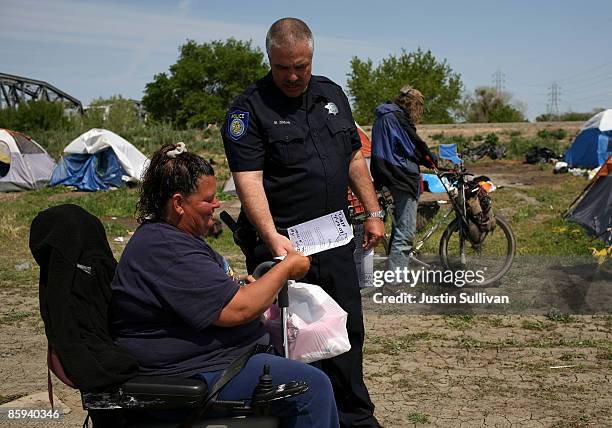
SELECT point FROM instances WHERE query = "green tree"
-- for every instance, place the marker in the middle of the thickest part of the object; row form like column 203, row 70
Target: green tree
column 369, row 86
column 35, row 116
column 203, row 82
column 116, row 114
column 488, row 105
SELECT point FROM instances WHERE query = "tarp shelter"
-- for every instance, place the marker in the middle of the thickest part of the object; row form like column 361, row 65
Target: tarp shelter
column 593, row 208
column 24, row 165
column 97, row 160
column 593, row 144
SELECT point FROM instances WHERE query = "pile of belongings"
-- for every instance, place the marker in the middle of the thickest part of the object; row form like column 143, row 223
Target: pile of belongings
column 540, row 155
column 494, row 151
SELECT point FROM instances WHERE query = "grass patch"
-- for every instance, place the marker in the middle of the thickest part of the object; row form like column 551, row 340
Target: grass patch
column 561, row 318
column 13, row 316
column 537, row 325
column 536, row 218
column 518, row 145
column 495, row 322
column 391, row 345
column 571, row 356
column 8, row 398
column 396, row 345
column 568, row 343
column 604, row 355
column 472, row 343
column 459, row 322
column 418, row 418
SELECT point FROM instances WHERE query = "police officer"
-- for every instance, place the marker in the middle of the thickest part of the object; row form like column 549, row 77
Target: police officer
column 293, row 149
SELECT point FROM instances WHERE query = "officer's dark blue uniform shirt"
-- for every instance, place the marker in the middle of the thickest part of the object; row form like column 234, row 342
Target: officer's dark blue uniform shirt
column 303, row 145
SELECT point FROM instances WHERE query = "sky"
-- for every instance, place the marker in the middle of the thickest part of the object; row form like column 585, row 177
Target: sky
column 96, row 48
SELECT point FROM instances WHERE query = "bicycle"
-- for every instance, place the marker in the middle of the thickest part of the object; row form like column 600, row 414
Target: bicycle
column 462, row 246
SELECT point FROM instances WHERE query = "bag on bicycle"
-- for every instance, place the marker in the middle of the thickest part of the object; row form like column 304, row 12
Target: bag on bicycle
column 479, row 207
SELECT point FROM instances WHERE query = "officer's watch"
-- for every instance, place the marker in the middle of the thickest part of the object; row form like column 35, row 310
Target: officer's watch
column 376, row 214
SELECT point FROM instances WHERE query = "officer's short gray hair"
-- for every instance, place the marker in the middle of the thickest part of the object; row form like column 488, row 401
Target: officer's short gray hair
column 287, row 32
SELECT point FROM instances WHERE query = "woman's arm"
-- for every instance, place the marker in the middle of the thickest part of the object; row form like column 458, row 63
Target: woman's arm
column 253, row 299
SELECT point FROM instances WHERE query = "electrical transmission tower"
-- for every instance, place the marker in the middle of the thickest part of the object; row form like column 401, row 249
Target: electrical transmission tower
column 554, row 96
column 499, row 79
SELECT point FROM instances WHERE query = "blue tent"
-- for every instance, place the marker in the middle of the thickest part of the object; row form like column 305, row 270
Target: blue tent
column 89, row 173
column 97, row 160
column 593, row 144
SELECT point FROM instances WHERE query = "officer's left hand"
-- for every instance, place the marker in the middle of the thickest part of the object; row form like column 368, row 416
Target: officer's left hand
column 373, row 231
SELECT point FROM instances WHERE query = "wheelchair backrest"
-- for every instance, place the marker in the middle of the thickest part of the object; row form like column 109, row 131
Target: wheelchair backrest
column 76, row 269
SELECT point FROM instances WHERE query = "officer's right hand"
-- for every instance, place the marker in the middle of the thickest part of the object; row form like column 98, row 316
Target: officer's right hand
column 279, row 245
column 297, row 263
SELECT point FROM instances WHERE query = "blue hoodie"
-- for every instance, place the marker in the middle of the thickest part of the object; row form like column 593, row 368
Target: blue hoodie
column 397, row 150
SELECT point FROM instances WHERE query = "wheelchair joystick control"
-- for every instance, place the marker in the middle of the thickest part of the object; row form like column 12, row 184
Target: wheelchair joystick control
column 260, row 403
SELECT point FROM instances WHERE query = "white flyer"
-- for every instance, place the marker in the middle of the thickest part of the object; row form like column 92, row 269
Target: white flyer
column 320, row 234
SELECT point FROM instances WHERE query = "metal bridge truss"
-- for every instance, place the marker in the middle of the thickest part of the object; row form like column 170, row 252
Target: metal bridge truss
column 16, row 89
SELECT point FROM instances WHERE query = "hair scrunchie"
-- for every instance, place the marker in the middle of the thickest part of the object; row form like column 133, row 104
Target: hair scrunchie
column 180, row 148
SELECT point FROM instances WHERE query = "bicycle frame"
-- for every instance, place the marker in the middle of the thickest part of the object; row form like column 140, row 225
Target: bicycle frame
column 464, row 248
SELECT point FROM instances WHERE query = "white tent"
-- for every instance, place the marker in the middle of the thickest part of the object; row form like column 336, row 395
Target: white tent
column 95, row 140
column 24, row 165
column 99, row 160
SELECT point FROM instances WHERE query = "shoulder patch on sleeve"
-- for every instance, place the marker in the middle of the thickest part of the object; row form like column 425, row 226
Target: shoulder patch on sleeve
column 237, row 124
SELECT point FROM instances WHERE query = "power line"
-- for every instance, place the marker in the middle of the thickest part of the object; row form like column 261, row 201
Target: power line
column 573, row 76
column 597, row 84
column 594, row 97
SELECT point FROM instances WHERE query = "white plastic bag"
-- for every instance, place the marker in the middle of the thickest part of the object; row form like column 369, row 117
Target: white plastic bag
column 316, row 324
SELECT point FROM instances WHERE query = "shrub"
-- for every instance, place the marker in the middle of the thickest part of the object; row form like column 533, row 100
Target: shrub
column 558, row 134
column 492, row 138
column 35, row 116
column 518, row 146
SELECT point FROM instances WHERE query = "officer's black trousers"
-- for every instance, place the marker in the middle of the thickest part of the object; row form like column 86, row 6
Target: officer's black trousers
column 335, row 271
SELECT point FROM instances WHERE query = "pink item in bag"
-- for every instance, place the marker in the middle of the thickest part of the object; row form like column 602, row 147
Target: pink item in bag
column 316, row 324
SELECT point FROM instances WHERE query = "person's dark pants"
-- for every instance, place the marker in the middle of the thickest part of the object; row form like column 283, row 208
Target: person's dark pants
column 315, row 408
column 335, row 271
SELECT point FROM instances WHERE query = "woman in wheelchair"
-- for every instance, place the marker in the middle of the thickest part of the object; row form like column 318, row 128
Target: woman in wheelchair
column 178, row 312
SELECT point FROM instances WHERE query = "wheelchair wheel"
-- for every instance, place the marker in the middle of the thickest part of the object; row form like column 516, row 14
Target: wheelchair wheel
column 489, row 260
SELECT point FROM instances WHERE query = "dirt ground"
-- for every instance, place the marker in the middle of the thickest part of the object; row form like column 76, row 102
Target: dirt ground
column 422, row 369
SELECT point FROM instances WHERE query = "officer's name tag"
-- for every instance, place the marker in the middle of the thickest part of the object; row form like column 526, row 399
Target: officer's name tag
column 320, row 234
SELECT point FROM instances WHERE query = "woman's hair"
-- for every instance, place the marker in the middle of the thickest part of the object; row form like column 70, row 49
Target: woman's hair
column 412, row 102
column 172, row 170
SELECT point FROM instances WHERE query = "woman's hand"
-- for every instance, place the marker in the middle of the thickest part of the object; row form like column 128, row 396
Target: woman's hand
column 297, row 263
column 246, row 279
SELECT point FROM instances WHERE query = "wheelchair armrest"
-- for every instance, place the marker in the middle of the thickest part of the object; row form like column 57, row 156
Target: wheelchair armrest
column 148, row 392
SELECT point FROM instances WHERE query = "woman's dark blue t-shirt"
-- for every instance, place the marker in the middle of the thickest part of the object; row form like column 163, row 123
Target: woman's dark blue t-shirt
column 169, row 289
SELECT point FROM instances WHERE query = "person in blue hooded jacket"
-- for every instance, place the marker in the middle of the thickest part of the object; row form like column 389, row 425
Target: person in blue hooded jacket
column 397, row 152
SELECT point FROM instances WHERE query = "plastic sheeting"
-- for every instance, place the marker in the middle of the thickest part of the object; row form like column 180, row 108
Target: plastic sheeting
column 89, row 173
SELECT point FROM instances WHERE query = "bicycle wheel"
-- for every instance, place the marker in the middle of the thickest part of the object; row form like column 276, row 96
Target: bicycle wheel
column 489, row 260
